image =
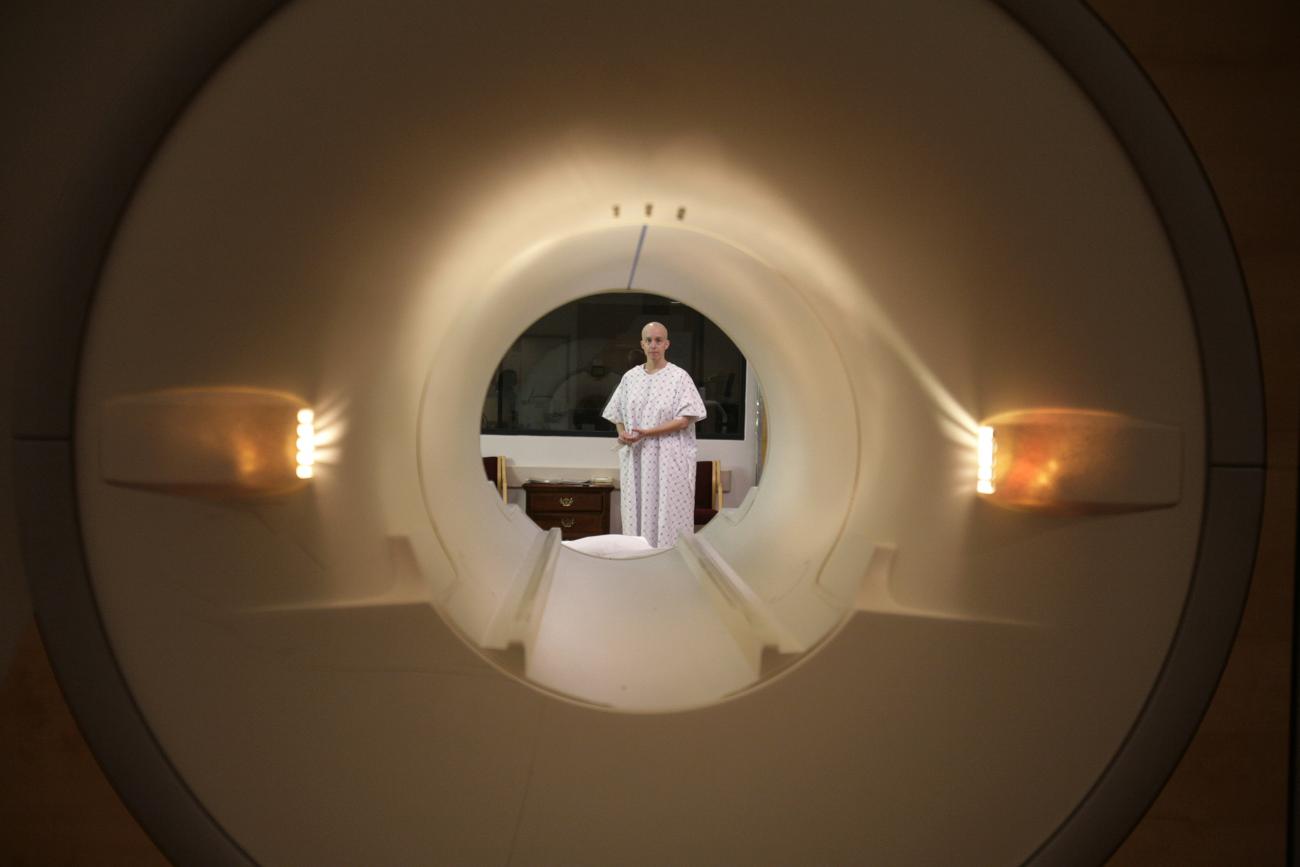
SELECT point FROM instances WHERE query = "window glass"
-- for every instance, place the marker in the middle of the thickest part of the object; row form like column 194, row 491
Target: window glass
column 558, row 375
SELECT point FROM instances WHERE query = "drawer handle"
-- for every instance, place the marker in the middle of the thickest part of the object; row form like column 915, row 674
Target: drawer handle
column 566, row 502
column 568, row 523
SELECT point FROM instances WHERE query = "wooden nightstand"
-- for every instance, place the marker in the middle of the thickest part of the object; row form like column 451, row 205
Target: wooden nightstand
column 578, row 510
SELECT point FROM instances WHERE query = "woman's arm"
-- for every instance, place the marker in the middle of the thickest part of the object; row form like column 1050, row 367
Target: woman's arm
column 680, row 423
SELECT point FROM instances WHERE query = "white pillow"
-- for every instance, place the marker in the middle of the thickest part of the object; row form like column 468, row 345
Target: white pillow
column 611, row 545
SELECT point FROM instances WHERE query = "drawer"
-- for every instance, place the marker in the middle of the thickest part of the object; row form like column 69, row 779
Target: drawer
column 578, row 501
column 579, row 523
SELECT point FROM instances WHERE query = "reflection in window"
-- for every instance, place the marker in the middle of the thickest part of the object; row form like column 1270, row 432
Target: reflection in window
column 558, row 375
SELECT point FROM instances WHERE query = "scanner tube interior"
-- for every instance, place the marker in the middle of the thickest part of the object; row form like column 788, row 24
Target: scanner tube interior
column 899, row 261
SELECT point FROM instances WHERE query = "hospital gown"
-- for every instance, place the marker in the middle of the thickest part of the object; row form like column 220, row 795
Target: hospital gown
column 657, row 475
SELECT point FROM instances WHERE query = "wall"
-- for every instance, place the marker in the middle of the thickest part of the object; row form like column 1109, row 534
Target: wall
column 15, row 607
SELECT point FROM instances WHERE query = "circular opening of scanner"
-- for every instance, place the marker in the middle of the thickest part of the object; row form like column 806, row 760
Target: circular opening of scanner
column 543, row 421
column 691, row 625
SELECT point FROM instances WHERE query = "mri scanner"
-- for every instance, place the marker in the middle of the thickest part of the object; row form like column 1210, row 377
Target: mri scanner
column 973, row 611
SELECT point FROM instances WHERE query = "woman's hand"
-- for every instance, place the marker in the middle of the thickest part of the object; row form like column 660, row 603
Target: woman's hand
column 679, row 423
column 629, row 438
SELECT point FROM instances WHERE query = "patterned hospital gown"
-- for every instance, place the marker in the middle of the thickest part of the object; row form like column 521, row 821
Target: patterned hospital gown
column 657, row 475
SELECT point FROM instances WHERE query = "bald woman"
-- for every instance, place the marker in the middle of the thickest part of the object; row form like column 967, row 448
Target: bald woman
column 655, row 408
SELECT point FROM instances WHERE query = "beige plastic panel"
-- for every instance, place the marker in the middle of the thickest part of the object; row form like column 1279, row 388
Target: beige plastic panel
column 1080, row 461
column 202, row 442
column 911, row 199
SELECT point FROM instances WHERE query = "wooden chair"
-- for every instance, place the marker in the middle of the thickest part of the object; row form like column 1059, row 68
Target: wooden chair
column 495, row 469
column 708, row 490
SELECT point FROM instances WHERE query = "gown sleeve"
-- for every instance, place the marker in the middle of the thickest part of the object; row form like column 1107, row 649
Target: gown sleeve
column 688, row 399
column 615, row 411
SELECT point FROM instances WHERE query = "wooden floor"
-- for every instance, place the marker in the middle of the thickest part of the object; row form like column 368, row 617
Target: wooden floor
column 1230, row 73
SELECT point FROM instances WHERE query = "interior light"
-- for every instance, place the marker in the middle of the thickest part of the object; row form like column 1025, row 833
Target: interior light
column 1078, row 461
column 306, row 443
column 206, row 442
column 987, row 449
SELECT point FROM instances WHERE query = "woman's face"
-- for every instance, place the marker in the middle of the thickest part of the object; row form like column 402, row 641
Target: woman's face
column 654, row 343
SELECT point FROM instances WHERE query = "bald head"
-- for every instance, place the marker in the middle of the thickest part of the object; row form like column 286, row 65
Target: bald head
column 654, row 343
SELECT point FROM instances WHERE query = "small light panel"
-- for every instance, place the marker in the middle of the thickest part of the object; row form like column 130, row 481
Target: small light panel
column 306, row 443
column 987, row 449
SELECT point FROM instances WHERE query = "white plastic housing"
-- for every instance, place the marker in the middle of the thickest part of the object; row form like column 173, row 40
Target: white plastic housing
column 919, row 224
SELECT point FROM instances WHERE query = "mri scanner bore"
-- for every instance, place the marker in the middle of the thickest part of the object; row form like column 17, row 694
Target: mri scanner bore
column 912, row 222
column 547, row 399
